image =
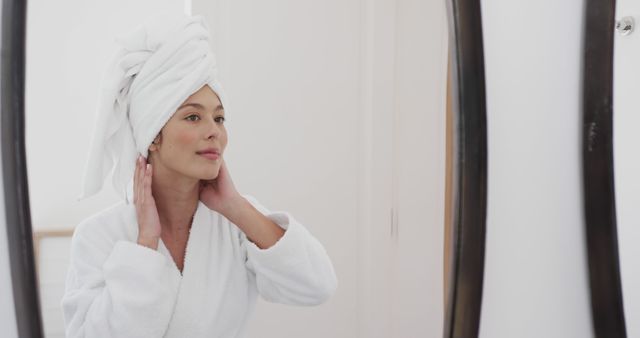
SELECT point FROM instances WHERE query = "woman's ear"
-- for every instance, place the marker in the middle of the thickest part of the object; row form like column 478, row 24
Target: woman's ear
column 154, row 145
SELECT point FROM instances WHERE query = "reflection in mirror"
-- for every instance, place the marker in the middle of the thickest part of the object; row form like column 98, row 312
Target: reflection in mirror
column 340, row 126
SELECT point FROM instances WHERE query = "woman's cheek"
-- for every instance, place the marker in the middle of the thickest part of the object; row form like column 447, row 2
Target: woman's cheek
column 186, row 138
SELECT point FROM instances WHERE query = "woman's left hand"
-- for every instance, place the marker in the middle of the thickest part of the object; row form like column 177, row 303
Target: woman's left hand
column 220, row 194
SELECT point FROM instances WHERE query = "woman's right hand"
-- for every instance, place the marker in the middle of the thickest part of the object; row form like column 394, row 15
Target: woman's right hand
column 148, row 220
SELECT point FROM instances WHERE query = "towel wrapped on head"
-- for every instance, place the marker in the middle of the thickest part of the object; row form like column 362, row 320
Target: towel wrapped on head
column 156, row 68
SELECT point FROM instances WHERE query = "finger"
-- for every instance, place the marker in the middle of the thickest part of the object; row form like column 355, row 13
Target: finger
column 135, row 181
column 147, row 183
column 141, row 176
column 143, row 182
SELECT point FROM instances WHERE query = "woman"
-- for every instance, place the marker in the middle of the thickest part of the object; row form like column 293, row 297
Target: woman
column 191, row 255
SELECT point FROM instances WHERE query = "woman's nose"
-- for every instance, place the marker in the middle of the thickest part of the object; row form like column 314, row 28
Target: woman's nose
column 213, row 128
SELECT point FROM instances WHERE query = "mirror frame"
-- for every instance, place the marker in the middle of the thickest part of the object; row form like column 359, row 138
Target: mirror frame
column 469, row 190
column 14, row 170
column 597, row 170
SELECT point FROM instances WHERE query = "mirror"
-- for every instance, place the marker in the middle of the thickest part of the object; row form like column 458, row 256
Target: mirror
column 336, row 113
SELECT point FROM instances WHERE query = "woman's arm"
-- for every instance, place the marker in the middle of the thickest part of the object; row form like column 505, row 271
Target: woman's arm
column 257, row 227
column 296, row 268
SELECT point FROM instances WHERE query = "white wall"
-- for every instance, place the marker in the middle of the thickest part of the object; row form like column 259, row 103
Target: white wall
column 377, row 69
column 626, row 162
column 420, row 125
column 69, row 44
column 403, row 76
column 536, row 277
column 290, row 69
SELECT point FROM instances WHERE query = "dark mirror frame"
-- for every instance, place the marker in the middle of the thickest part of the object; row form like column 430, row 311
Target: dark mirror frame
column 597, row 169
column 469, row 190
column 14, row 170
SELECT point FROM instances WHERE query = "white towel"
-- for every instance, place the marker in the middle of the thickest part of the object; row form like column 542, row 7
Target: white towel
column 156, row 68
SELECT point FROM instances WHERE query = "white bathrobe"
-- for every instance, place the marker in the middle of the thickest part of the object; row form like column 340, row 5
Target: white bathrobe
column 117, row 288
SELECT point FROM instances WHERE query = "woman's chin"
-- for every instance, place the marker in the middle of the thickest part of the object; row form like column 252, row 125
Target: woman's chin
column 210, row 175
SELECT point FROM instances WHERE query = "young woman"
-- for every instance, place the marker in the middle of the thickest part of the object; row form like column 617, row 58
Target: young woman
column 189, row 257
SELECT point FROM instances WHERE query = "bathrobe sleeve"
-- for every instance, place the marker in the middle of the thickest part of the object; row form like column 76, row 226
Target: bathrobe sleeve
column 295, row 270
column 121, row 290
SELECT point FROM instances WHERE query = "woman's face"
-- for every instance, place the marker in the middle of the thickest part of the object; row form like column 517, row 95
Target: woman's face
column 197, row 126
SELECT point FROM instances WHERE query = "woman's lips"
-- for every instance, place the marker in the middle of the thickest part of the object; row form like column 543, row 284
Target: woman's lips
column 210, row 156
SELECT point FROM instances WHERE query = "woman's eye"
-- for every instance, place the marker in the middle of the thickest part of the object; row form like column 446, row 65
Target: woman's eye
column 193, row 117
column 220, row 119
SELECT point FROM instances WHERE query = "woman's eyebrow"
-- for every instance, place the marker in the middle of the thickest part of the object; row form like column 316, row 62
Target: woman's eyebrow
column 199, row 106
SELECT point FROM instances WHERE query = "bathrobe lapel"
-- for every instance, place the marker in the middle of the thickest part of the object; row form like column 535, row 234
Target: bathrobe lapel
column 189, row 303
column 213, row 297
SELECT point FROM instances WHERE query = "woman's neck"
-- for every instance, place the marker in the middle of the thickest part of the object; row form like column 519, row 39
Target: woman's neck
column 176, row 200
